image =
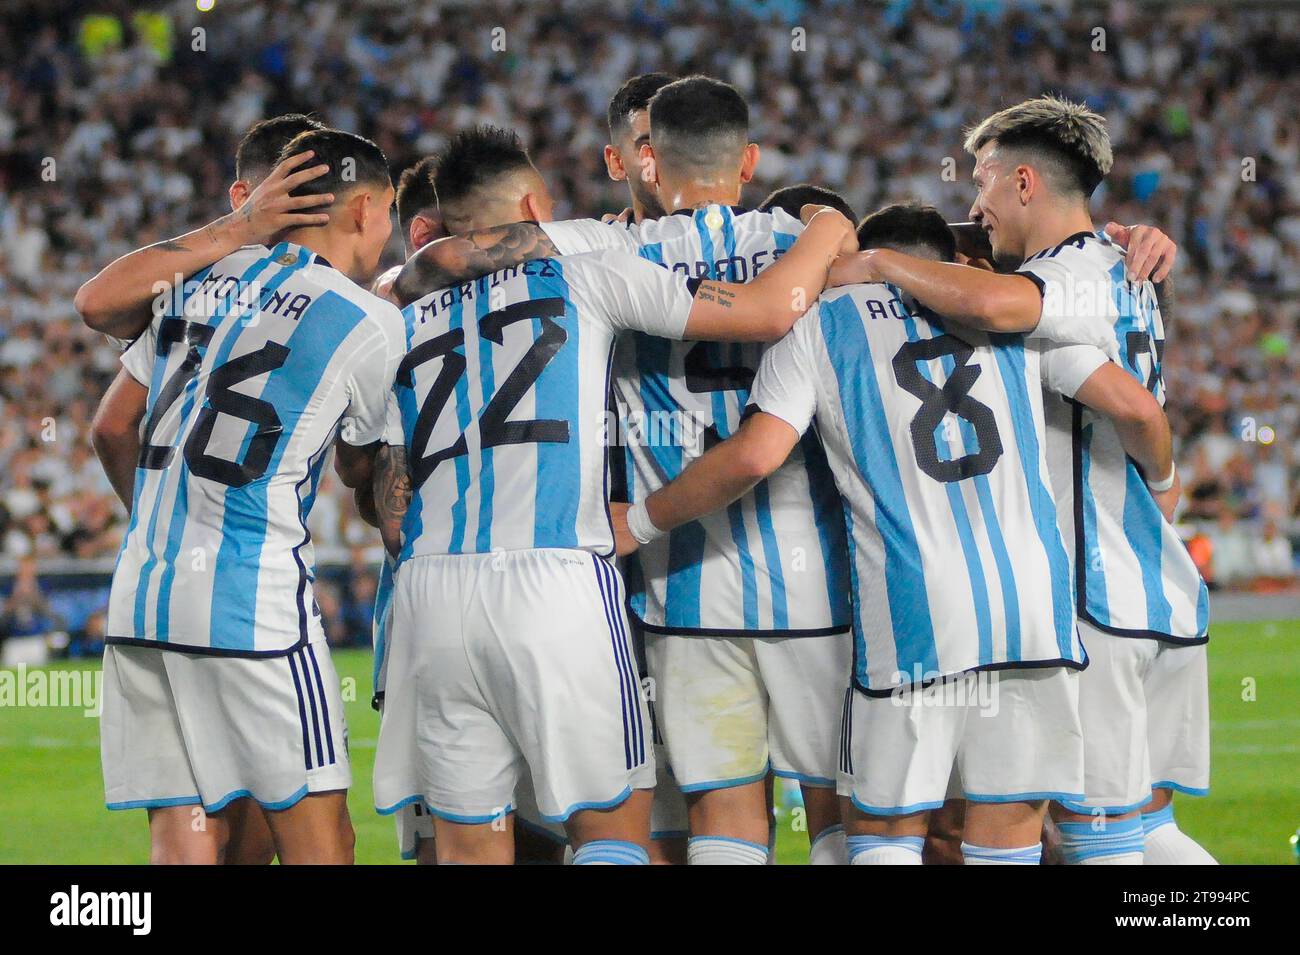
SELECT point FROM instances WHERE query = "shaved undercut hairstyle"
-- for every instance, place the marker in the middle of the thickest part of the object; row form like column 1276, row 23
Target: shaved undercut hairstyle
column 472, row 164
column 698, row 123
column 353, row 160
column 1065, row 141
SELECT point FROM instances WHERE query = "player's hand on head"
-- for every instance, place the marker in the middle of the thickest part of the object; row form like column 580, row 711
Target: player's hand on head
column 827, row 214
column 1150, row 253
column 624, row 542
column 271, row 209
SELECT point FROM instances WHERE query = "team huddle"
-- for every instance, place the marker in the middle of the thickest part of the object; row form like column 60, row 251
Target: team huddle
column 673, row 503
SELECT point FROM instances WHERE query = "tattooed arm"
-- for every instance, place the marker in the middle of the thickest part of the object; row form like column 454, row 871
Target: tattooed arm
column 118, row 301
column 392, row 495
column 462, row 258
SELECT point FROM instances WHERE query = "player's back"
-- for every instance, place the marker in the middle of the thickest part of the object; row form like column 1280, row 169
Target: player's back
column 251, row 373
column 502, row 398
column 936, row 444
column 1135, row 576
column 773, row 561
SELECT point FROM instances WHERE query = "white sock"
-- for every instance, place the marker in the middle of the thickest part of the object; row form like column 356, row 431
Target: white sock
column 831, row 847
column 987, row 855
column 1166, row 844
column 1117, row 842
column 884, row 850
column 610, row 852
column 722, row 850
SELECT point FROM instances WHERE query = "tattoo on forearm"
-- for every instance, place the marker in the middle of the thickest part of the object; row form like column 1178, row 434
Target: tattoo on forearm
column 715, row 293
column 392, row 490
column 171, row 245
column 463, row 258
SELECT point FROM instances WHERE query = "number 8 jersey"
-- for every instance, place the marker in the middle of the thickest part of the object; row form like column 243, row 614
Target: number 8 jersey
column 936, row 443
column 502, row 401
column 258, row 363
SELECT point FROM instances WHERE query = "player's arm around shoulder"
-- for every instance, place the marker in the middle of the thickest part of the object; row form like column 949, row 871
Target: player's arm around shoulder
column 766, row 308
column 781, row 409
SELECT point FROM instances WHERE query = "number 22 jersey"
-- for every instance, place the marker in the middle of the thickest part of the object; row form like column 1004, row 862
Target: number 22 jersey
column 258, row 363
column 502, row 401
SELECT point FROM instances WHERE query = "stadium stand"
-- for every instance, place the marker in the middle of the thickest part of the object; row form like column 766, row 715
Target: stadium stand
column 118, row 127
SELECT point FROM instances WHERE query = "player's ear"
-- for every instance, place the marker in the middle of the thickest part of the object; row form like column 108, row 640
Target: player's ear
column 614, row 164
column 239, row 193
column 748, row 162
column 1026, row 183
column 649, row 165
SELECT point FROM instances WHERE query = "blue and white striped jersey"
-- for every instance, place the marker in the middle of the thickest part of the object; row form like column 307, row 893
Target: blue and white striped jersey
column 936, row 443
column 1133, row 575
column 503, row 395
column 775, row 561
column 381, row 625
column 265, row 358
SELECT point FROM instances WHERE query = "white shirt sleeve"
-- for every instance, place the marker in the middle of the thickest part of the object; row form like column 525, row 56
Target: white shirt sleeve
column 139, row 357
column 575, row 236
column 635, row 295
column 374, row 368
column 1076, row 307
column 1064, row 368
column 785, row 385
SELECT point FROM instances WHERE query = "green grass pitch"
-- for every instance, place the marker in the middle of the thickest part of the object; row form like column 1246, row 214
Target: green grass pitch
column 52, row 810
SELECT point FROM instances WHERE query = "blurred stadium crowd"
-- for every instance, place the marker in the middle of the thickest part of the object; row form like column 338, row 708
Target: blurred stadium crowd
column 117, row 129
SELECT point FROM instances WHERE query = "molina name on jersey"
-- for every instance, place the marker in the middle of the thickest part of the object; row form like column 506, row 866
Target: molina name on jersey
column 265, row 358
column 502, row 398
column 776, row 560
column 1133, row 575
column 936, row 444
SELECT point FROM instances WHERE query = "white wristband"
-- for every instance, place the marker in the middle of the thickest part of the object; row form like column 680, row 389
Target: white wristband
column 1161, row 486
column 640, row 525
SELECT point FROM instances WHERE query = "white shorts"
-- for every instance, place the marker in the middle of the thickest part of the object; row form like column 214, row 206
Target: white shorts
column 415, row 822
column 183, row 729
column 994, row 736
column 1144, row 706
column 505, row 664
column 731, row 708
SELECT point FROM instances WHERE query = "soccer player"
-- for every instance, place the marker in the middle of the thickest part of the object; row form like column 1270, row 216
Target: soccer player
column 793, row 198
column 502, row 399
column 117, row 302
column 628, row 118
column 1143, row 609
column 746, row 628
column 933, row 438
column 218, row 681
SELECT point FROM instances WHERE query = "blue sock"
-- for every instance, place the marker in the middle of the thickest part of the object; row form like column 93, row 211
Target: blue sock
column 1081, row 842
column 610, row 852
column 1154, row 820
column 859, row 845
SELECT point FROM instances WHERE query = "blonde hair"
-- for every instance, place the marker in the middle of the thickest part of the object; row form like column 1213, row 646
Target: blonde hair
column 1067, row 131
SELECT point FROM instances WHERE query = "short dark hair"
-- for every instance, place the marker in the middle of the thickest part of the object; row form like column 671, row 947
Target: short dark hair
column 908, row 226
column 415, row 192
column 259, row 151
column 1067, row 138
column 698, row 121
column 635, row 94
column 793, row 198
column 474, row 158
column 353, row 160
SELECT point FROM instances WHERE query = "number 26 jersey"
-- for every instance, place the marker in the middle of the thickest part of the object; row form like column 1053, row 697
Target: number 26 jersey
column 258, row 363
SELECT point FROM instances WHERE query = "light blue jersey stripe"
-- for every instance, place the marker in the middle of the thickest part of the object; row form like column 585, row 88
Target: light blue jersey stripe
column 829, row 513
column 1094, row 570
column 324, row 326
column 559, row 465
column 1143, row 524
column 860, row 398
column 771, row 555
column 487, row 472
column 1010, row 352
